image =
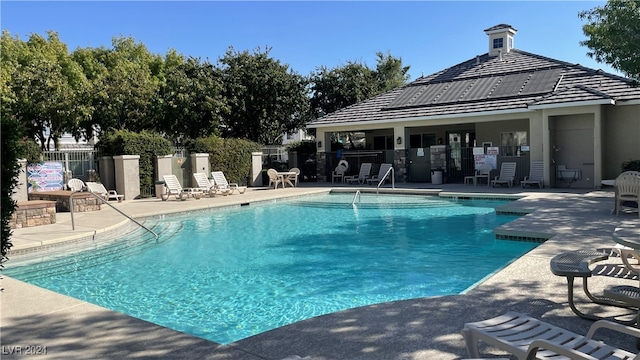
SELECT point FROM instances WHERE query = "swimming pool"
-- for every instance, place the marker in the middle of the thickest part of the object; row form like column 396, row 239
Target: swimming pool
column 226, row 275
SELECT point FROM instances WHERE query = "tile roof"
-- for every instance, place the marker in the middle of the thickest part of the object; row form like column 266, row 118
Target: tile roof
column 511, row 82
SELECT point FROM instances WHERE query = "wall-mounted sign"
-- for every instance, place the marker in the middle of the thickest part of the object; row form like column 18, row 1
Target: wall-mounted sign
column 47, row 176
column 479, row 160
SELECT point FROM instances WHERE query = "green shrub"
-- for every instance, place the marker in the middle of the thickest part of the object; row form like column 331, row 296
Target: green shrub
column 148, row 145
column 31, row 151
column 306, row 146
column 631, row 165
column 231, row 156
column 11, row 150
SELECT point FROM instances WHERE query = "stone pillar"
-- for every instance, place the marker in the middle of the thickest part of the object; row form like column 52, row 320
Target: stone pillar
column 256, row 169
column 107, row 172
column 199, row 164
column 163, row 166
column 127, row 174
column 321, row 166
column 20, row 192
column 400, row 165
column 323, row 146
column 401, row 153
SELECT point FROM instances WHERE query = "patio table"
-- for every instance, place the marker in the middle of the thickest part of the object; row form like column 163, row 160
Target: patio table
column 286, row 177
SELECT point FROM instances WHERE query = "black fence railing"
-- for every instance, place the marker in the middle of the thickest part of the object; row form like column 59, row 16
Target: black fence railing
column 462, row 162
column 355, row 160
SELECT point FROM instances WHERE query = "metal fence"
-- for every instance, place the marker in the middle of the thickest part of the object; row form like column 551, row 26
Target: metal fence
column 79, row 164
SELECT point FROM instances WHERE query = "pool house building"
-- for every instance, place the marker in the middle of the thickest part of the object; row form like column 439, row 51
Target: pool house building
column 506, row 105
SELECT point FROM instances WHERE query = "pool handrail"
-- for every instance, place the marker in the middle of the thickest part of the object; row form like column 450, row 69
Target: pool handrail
column 382, row 180
column 73, row 225
column 357, row 195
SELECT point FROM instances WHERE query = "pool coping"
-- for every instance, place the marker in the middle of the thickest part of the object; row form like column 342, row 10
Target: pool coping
column 412, row 329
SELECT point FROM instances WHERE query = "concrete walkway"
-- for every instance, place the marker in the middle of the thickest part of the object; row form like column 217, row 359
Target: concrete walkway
column 427, row 328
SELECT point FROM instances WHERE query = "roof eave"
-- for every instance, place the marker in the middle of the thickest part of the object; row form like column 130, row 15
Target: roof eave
column 628, row 102
column 572, row 104
column 421, row 118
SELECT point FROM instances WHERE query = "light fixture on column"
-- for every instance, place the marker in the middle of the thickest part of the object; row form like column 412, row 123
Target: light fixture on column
column 399, row 140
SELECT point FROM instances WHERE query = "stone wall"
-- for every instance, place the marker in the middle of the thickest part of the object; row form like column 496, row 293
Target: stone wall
column 81, row 201
column 33, row 213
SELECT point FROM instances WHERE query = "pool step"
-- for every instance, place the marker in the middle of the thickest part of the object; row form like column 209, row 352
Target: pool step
column 375, row 205
column 104, row 250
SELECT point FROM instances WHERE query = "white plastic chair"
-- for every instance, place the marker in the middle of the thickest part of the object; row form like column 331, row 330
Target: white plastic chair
column 507, row 174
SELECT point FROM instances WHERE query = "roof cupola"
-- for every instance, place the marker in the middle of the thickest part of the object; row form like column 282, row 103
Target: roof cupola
column 500, row 39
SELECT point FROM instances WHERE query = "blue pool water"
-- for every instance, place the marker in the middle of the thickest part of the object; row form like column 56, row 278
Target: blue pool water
column 227, row 275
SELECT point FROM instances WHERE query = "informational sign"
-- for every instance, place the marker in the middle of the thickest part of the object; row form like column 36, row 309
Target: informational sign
column 484, row 159
column 420, row 152
column 493, row 150
column 478, row 151
column 47, row 176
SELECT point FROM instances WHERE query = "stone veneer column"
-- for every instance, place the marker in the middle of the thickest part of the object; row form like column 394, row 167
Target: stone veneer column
column 400, row 165
column 127, row 174
column 321, row 166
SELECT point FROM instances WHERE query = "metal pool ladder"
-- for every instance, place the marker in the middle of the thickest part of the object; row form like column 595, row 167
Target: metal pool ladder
column 393, row 179
column 356, row 196
column 73, row 225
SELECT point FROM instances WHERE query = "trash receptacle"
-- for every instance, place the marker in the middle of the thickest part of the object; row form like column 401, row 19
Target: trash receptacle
column 159, row 189
column 436, row 177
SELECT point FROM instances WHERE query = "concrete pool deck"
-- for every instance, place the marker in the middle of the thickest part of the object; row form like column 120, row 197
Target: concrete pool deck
column 426, row 328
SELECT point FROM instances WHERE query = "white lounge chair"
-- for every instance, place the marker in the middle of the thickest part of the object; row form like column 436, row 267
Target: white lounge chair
column 174, row 188
column 222, row 184
column 206, row 186
column 363, row 175
column 98, row 188
column 529, row 338
column 381, row 172
column 536, row 175
column 275, row 179
column 76, row 185
column 507, row 174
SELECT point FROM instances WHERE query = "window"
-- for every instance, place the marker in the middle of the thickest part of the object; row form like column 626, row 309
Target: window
column 383, row 142
column 421, row 140
column 498, row 43
column 511, row 142
column 510, row 43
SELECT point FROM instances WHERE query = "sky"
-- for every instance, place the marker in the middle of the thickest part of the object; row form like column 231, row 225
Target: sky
column 428, row 36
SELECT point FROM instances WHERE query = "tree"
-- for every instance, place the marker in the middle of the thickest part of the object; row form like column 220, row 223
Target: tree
column 334, row 89
column 265, row 98
column 125, row 81
column 191, row 98
column 613, row 32
column 390, row 73
column 47, row 87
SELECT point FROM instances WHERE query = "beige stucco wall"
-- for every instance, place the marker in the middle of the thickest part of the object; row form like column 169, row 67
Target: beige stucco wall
column 621, row 142
column 573, row 146
column 596, row 138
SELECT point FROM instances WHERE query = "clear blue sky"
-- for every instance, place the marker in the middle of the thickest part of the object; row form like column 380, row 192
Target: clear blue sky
column 428, row 35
